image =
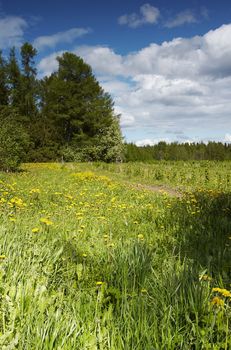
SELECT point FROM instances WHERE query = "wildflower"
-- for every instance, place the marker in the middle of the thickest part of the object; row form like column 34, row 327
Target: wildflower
column 99, row 283
column 35, row 190
column 46, row 221
column 35, row 230
column 140, row 237
column 226, row 293
column 12, row 219
column 2, row 257
column 84, row 255
column 216, row 301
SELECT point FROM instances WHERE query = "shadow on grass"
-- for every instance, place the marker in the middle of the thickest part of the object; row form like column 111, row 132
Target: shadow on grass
column 202, row 227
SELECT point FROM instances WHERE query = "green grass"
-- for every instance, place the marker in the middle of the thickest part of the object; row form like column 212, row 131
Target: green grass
column 89, row 263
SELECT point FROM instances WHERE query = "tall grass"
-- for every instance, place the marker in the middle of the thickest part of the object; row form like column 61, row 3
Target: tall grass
column 87, row 263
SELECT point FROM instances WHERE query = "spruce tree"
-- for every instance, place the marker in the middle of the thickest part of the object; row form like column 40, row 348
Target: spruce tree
column 28, row 81
column 4, row 93
column 14, row 79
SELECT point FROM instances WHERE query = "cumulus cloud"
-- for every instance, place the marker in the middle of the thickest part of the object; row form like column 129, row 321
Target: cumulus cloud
column 66, row 37
column 148, row 15
column 11, row 31
column 183, row 84
column 181, row 18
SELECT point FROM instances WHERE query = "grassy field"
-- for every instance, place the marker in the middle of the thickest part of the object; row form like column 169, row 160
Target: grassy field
column 89, row 261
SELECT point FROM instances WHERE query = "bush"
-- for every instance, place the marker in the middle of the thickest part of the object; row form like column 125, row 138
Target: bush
column 14, row 141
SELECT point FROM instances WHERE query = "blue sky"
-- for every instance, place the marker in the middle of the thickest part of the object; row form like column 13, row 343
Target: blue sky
column 167, row 64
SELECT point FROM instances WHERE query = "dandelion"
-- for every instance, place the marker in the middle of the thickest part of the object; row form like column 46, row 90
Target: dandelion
column 140, row 237
column 12, row 219
column 46, row 221
column 35, row 190
column 99, row 283
column 35, row 230
column 216, row 301
column 2, row 257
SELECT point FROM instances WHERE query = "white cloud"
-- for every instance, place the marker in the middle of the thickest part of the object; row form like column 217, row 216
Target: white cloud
column 227, row 138
column 148, row 15
column 48, row 64
column 11, row 31
column 182, row 18
column 151, row 142
column 66, row 37
column 103, row 59
column 183, row 84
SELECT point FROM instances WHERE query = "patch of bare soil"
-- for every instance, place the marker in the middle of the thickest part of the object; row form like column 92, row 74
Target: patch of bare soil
column 157, row 188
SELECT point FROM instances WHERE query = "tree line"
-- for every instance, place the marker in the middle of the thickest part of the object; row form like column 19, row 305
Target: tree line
column 66, row 115
column 178, row 151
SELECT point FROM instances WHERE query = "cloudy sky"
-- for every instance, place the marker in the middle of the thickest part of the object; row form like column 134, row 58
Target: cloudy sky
column 166, row 63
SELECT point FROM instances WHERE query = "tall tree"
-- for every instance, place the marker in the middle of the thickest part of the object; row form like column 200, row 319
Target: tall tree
column 28, row 81
column 14, row 79
column 4, row 93
column 76, row 103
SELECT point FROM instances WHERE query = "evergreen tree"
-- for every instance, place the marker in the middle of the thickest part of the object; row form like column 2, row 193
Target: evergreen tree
column 28, row 82
column 4, row 93
column 14, row 79
column 76, row 106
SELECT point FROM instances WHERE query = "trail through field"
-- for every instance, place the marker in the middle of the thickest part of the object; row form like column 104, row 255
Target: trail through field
column 156, row 188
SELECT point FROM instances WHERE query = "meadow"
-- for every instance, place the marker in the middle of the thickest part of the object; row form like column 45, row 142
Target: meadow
column 90, row 260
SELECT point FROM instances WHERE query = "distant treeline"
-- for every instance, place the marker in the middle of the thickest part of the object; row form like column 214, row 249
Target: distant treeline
column 178, row 151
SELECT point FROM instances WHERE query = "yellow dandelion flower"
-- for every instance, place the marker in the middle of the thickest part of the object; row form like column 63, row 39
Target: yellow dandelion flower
column 35, row 230
column 140, row 237
column 216, row 301
column 2, row 257
column 46, row 221
column 99, row 283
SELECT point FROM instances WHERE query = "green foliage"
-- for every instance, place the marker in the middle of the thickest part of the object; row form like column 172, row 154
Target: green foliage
column 14, row 141
column 28, row 84
column 14, row 79
column 87, row 262
column 81, row 113
column 67, row 115
column 178, row 151
column 3, row 81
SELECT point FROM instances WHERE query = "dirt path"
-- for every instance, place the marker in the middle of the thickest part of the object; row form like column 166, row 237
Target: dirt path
column 156, row 188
